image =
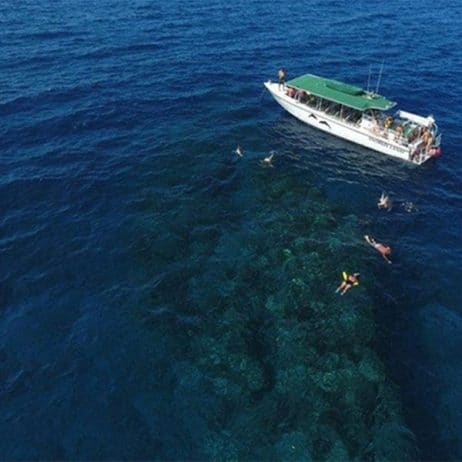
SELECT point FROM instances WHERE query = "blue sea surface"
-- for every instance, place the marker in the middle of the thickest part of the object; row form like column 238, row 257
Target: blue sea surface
column 163, row 299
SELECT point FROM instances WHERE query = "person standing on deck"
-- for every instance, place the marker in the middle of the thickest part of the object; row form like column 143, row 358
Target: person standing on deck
column 427, row 139
column 282, row 78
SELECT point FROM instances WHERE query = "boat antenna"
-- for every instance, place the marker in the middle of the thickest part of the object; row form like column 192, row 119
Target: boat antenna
column 380, row 78
column 368, row 80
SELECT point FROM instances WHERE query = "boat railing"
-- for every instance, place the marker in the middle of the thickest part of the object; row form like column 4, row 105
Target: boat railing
column 394, row 130
column 417, row 153
column 390, row 130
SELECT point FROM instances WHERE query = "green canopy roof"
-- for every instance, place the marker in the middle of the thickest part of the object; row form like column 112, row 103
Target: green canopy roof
column 341, row 93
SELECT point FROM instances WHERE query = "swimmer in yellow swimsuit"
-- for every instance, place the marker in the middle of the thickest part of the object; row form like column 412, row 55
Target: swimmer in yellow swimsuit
column 349, row 280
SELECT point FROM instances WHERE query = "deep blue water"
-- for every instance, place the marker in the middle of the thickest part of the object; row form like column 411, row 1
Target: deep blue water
column 129, row 231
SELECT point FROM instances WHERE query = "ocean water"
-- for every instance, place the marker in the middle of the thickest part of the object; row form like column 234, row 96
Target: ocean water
column 163, row 299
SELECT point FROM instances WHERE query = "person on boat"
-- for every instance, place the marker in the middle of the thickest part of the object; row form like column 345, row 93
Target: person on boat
column 375, row 126
column 384, row 202
column 414, row 156
column 291, row 92
column 413, row 134
column 348, row 281
column 301, row 96
column 383, row 249
column 388, row 122
column 282, row 78
column 427, row 139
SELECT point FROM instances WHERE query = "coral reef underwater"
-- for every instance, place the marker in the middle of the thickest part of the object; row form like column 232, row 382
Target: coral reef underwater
column 274, row 364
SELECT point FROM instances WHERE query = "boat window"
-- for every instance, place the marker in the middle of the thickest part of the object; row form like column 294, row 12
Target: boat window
column 351, row 115
column 311, row 100
column 333, row 109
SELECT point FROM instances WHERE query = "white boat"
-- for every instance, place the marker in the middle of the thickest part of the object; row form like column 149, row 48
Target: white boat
column 359, row 116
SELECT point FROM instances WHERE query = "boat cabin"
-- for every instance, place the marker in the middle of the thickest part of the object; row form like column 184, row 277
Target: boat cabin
column 366, row 111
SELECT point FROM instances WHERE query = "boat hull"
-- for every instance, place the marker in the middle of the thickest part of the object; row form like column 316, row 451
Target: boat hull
column 337, row 127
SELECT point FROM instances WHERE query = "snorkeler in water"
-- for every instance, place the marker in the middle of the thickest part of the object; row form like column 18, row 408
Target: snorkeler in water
column 384, row 202
column 239, row 151
column 349, row 280
column 383, row 249
column 268, row 161
column 409, row 207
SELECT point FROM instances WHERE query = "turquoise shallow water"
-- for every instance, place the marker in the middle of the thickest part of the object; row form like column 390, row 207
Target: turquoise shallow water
column 163, row 299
